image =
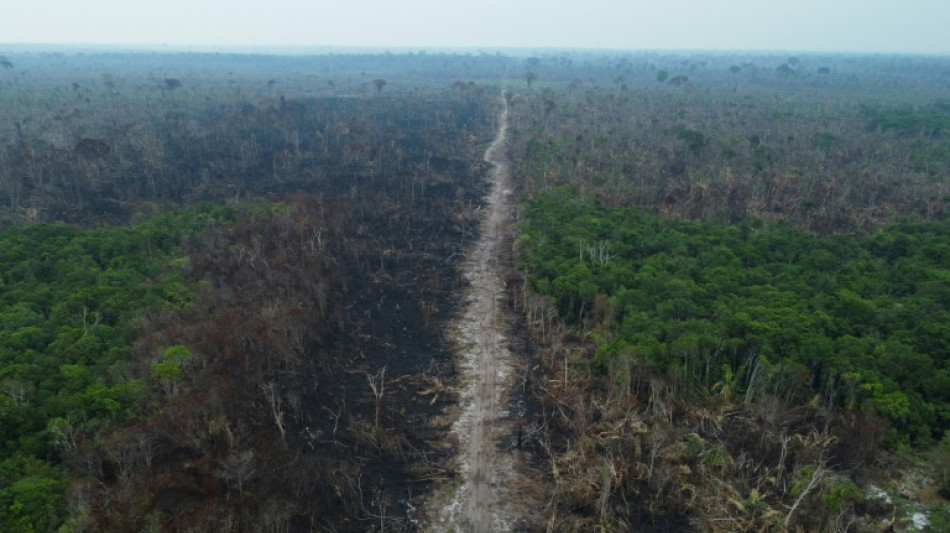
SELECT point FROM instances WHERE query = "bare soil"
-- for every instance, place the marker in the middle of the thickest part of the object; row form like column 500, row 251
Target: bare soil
column 480, row 500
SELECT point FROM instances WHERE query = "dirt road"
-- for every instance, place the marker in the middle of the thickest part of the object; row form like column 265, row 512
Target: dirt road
column 478, row 504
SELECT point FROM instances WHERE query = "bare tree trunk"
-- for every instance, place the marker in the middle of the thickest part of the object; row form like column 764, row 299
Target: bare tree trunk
column 272, row 395
column 377, row 383
column 815, row 480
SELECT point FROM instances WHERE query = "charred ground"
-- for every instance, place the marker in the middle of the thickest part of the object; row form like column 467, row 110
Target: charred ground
column 292, row 385
column 270, row 252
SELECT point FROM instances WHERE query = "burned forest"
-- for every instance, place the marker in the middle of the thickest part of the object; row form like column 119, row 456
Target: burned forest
column 260, row 278
column 474, row 291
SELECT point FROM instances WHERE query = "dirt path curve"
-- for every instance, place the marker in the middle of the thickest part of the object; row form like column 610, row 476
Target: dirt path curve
column 479, row 504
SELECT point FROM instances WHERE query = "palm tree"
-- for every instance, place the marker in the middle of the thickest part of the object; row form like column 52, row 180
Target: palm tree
column 529, row 77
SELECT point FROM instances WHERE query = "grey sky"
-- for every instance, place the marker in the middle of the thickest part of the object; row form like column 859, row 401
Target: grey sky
column 902, row 26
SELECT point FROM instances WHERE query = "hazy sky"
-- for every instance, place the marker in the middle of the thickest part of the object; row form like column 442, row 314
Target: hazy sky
column 914, row 26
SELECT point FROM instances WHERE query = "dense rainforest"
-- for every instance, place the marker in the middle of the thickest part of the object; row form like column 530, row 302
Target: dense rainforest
column 225, row 283
column 766, row 306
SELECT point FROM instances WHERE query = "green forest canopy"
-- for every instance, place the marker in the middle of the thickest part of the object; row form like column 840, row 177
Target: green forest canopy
column 68, row 303
column 854, row 319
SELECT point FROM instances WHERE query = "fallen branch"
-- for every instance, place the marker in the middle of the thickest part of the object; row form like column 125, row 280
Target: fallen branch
column 815, row 480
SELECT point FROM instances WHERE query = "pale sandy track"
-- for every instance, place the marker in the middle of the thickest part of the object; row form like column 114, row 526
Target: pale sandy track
column 480, row 503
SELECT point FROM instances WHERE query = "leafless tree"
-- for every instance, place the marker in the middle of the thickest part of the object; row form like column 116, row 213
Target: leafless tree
column 238, row 467
column 273, row 398
column 377, row 383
